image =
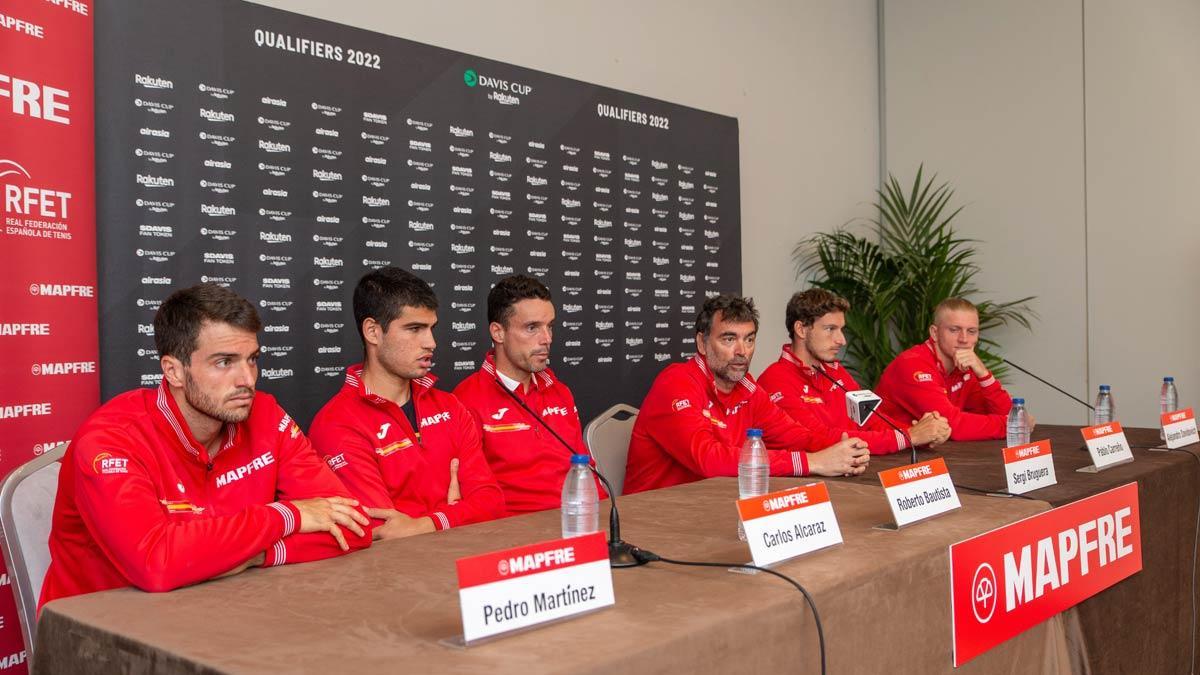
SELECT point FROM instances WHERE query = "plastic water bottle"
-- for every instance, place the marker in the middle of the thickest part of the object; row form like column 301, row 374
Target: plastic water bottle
column 1018, row 423
column 1168, row 401
column 580, row 501
column 753, row 470
column 1106, row 407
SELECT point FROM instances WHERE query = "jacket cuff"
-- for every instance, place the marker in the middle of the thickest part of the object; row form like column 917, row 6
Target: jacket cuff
column 800, row 464
column 901, row 441
column 276, row 555
column 987, row 381
column 440, row 521
column 290, row 515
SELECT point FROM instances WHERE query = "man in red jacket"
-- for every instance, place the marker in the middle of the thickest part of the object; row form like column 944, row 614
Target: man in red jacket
column 528, row 417
column 200, row 478
column 694, row 419
column 945, row 375
column 407, row 451
column 802, row 381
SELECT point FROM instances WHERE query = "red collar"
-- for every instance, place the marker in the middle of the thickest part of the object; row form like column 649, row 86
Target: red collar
column 543, row 379
column 702, row 363
column 174, row 420
column 831, row 369
column 355, row 382
column 937, row 360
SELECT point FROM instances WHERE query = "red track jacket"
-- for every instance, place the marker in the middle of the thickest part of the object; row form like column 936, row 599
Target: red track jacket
column 916, row 382
column 812, row 400
column 687, row 430
column 369, row 443
column 529, row 463
column 140, row 502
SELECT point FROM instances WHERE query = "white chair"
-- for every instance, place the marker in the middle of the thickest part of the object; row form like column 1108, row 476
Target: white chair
column 607, row 437
column 26, row 504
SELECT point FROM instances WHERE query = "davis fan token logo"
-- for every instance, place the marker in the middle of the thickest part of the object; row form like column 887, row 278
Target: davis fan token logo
column 470, row 78
column 983, row 593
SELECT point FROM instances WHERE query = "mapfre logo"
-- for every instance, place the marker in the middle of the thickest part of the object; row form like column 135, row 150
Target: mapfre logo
column 983, row 593
column 32, row 99
column 63, row 368
column 62, row 290
column 105, row 463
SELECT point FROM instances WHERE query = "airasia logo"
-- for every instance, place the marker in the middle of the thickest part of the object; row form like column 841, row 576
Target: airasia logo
column 983, row 593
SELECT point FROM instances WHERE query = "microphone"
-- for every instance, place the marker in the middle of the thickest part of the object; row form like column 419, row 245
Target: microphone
column 1089, row 406
column 866, row 400
column 620, row 553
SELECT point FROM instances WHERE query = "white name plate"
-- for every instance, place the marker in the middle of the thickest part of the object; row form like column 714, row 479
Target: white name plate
column 919, row 491
column 1029, row 467
column 788, row 523
column 508, row 590
column 1107, row 444
column 1179, row 428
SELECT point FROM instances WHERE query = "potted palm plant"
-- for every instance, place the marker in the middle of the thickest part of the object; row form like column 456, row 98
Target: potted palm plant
column 895, row 267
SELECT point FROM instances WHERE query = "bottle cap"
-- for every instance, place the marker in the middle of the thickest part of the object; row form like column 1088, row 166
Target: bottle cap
column 1018, row 401
column 580, row 459
column 754, row 433
column 1168, row 379
column 1105, row 387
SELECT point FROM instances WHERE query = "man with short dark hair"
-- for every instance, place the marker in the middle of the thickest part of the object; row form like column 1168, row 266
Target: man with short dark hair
column 694, row 419
column 802, row 381
column 409, row 452
column 200, row 478
column 944, row 374
column 518, row 402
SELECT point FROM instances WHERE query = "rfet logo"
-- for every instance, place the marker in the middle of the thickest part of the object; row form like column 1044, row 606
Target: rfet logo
column 106, row 463
column 31, row 200
column 922, row 376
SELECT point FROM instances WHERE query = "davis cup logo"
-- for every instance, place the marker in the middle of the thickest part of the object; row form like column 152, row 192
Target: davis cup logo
column 983, row 593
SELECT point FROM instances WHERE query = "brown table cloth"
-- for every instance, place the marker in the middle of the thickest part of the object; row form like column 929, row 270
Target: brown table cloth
column 1143, row 624
column 883, row 598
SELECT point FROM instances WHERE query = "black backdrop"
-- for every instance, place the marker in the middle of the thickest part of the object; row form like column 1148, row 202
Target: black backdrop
column 284, row 156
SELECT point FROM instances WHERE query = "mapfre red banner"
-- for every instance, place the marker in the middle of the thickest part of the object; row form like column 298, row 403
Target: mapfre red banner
column 49, row 376
column 1013, row 578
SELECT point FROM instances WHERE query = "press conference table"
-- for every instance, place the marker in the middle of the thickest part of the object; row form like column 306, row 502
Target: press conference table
column 1143, row 624
column 883, row 598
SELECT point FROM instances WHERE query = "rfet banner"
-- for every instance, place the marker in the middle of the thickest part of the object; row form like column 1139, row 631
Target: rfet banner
column 1012, row 578
column 49, row 380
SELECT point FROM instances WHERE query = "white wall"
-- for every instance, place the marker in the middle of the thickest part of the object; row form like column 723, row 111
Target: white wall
column 1070, row 131
column 800, row 76
column 1143, row 163
column 992, row 100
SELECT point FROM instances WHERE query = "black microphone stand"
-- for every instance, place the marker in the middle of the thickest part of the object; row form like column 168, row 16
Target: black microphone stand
column 620, row 553
column 1052, row 386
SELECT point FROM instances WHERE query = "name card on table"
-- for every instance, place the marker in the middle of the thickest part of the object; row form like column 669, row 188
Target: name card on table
column 507, row 590
column 1107, row 445
column 1179, row 428
column 919, row 491
column 788, row 523
column 1005, row 581
column 1029, row 467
